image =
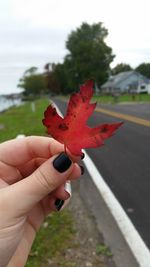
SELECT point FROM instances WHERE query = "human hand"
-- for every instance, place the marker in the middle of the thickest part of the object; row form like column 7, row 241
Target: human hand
column 33, row 172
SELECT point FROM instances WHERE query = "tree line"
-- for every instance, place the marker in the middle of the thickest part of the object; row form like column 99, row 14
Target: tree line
column 89, row 57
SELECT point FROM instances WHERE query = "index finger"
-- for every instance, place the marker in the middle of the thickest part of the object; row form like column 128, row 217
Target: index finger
column 19, row 151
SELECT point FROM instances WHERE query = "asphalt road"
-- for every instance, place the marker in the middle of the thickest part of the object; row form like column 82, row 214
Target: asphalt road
column 124, row 163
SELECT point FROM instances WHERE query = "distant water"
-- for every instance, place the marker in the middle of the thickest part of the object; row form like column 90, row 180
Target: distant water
column 6, row 103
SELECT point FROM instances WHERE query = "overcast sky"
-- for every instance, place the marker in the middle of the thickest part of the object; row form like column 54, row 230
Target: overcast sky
column 33, row 32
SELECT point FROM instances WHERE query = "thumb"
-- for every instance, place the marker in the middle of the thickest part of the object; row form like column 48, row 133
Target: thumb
column 23, row 195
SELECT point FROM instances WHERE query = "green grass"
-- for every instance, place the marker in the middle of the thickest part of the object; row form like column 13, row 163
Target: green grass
column 122, row 98
column 21, row 120
column 108, row 99
column 102, row 249
column 52, row 240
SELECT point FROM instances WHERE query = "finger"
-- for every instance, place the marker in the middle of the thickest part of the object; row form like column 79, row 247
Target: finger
column 63, row 193
column 56, row 204
column 60, row 192
column 9, row 173
column 3, row 184
column 19, row 151
column 49, row 201
column 29, row 167
column 23, row 195
column 61, row 199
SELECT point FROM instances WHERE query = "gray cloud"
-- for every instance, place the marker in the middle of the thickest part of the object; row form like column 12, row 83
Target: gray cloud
column 20, row 50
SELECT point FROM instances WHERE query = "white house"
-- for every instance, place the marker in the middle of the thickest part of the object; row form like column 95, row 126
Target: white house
column 124, row 82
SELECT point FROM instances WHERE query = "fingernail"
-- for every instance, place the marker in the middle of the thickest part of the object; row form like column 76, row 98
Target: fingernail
column 82, row 169
column 59, row 203
column 83, row 156
column 68, row 188
column 62, row 163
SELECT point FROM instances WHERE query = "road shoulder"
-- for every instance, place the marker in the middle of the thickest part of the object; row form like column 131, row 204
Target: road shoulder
column 88, row 239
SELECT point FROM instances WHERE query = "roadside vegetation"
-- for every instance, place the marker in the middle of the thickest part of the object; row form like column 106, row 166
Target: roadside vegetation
column 109, row 99
column 21, row 120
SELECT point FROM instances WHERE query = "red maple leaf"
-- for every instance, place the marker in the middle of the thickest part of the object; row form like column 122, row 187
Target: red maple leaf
column 72, row 130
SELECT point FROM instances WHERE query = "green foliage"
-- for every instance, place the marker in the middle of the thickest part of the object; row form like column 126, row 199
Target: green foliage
column 56, row 78
column 103, row 250
column 21, row 120
column 121, row 68
column 61, row 77
column 144, row 69
column 122, row 98
column 89, row 56
column 52, row 83
column 52, row 240
column 32, row 82
column 31, row 71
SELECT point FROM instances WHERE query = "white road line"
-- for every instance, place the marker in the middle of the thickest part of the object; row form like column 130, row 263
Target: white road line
column 131, row 235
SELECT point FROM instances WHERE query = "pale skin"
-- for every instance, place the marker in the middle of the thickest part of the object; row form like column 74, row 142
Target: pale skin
column 29, row 186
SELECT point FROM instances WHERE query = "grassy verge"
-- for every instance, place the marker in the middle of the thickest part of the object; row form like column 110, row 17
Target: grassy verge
column 108, row 99
column 57, row 231
column 122, row 98
column 21, row 120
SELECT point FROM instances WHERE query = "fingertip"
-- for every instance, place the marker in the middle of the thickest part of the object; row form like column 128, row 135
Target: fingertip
column 76, row 173
column 68, row 188
column 62, row 162
column 82, row 156
column 82, row 169
column 62, row 192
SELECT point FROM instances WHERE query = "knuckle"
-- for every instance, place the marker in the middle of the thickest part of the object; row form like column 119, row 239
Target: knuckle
column 44, row 181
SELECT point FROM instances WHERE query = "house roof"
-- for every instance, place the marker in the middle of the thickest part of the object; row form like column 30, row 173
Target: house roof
column 114, row 81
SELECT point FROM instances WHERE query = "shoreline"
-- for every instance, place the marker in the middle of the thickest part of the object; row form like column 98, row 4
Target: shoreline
column 5, row 103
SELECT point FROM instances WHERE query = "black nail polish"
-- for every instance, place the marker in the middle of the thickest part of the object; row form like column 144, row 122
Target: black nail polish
column 83, row 156
column 62, row 162
column 59, row 203
column 82, row 170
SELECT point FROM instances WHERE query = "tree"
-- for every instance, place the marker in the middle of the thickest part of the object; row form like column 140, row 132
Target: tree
column 60, row 75
column 121, row 68
column 32, row 82
column 31, row 71
column 144, row 69
column 51, row 82
column 89, row 56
